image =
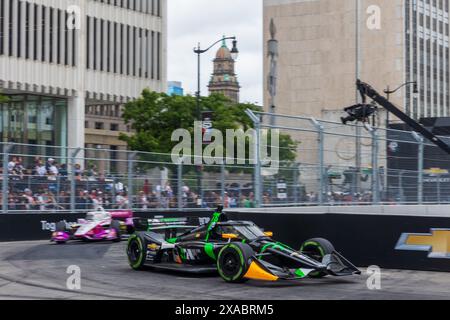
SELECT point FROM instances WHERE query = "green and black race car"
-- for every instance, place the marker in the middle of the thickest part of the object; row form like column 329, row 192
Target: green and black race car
column 237, row 250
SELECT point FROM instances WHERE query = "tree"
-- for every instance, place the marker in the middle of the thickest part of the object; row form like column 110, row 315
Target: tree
column 154, row 116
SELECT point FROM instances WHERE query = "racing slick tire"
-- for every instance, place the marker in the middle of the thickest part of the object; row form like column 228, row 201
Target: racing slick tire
column 115, row 225
column 317, row 249
column 233, row 262
column 136, row 251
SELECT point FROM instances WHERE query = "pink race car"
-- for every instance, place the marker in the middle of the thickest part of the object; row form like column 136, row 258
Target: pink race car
column 98, row 225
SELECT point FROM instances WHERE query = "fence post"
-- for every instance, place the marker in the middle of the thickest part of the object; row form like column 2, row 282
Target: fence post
column 257, row 172
column 420, row 161
column 73, row 157
column 400, row 186
column 7, row 148
column 297, row 183
column 320, row 140
column 438, row 188
column 375, row 176
column 130, row 162
column 180, row 184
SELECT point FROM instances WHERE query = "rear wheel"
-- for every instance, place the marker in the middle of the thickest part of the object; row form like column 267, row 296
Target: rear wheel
column 115, row 225
column 233, row 262
column 317, row 249
column 136, row 251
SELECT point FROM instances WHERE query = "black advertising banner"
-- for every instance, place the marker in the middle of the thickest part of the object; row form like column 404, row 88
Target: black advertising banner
column 365, row 240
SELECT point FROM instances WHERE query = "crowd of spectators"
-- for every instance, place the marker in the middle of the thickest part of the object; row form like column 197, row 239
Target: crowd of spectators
column 45, row 185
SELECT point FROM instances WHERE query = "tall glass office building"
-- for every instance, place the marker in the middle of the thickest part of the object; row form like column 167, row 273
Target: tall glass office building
column 427, row 57
column 59, row 57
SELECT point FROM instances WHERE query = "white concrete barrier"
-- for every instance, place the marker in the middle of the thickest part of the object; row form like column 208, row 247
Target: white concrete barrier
column 395, row 210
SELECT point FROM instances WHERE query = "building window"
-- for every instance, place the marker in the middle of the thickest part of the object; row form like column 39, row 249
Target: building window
column 114, row 127
column 158, row 62
column 99, row 125
column 32, row 119
column 2, row 19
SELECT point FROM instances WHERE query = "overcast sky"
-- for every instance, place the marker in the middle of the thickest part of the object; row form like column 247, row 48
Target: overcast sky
column 205, row 21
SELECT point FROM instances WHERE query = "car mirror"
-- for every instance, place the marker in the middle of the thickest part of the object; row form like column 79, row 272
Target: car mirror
column 268, row 234
column 229, row 236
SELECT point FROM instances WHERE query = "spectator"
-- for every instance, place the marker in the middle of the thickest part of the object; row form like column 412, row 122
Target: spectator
column 119, row 187
column 143, row 201
column 63, row 172
column 121, row 201
column 92, row 173
column 41, row 170
column 78, row 171
column 83, row 201
column 51, row 202
column 64, row 200
column 152, row 200
column 53, row 169
column 13, row 202
column 233, row 202
column 164, row 200
column 146, row 188
column 29, row 201
column 19, row 169
column 226, row 200
column 97, row 201
column 50, row 162
column 12, row 165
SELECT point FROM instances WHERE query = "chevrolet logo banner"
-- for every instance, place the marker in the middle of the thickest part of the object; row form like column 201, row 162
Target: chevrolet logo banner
column 437, row 243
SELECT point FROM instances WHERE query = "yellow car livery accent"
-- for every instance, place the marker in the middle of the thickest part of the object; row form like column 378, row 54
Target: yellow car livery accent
column 255, row 272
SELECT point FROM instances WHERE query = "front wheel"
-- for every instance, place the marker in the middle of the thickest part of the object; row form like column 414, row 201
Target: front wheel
column 317, row 249
column 136, row 251
column 61, row 227
column 233, row 262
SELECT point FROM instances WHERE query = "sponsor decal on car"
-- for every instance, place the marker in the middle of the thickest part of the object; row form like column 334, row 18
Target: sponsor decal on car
column 51, row 226
column 437, row 243
column 153, row 247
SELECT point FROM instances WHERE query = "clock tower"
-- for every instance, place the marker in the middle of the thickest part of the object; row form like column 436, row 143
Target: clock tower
column 224, row 79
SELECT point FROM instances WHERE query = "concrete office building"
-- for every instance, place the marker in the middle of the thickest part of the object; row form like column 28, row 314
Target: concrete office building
column 321, row 54
column 400, row 41
column 57, row 58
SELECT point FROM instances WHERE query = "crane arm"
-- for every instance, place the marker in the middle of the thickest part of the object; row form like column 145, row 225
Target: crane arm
column 367, row 91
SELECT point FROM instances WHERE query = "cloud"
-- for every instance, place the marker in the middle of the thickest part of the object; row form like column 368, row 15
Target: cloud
column 205, row 21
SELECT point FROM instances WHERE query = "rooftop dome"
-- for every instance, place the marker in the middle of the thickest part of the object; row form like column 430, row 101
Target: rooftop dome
column 223, row 52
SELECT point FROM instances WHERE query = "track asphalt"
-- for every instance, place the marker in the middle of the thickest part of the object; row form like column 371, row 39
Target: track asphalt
column 38, row 270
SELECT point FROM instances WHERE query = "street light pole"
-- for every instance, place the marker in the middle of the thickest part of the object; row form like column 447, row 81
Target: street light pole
column 199, row 52
column 198, row 82
column 199, row 169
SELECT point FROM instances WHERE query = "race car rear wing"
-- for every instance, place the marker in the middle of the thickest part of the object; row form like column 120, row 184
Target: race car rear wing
column 166, row 223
